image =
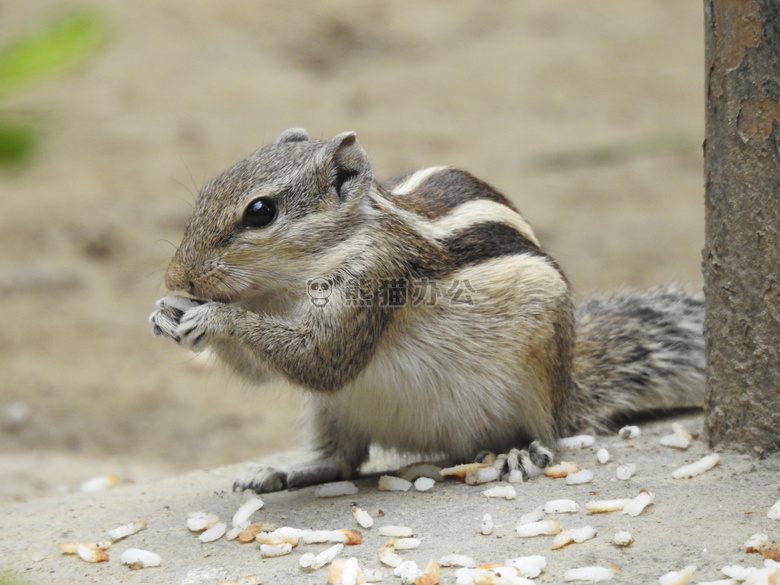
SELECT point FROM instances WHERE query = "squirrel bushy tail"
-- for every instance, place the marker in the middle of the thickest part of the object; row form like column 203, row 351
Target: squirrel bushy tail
column 636, row 352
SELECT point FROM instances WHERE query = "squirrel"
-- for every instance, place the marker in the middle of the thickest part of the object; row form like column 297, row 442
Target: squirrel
column 419, row 314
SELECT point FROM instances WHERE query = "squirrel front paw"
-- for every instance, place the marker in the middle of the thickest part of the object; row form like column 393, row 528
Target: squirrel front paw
column 261, row 479
column 264, row 479
column 189, row 322
column 199, row 325
column 165, row 320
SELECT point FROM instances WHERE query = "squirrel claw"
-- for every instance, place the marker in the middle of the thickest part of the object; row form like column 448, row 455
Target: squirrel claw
column 193, row 329
column 518, row 465
column 262, row 480
column 164, row 323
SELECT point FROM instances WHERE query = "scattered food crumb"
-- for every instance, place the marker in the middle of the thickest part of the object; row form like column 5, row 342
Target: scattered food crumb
column 502, row 491
column 99, row 483
column 697, row 468
column 392, row 483
column 335, row 489
column 630, row 432
column 589, row 574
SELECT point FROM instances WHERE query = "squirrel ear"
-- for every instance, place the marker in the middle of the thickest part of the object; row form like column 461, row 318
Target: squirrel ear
column 345, row 163
column 292, row 135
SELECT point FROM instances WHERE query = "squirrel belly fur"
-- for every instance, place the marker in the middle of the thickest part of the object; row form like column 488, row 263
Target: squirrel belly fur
column 420, row 314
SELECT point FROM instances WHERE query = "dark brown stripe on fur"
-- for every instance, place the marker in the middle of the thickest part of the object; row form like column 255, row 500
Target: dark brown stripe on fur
column 485, row 241
column 442, row 192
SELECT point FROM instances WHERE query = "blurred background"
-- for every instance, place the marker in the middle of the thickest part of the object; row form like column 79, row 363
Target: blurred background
column 588, row 115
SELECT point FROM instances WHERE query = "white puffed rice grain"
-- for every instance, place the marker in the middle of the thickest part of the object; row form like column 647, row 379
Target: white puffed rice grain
column 675, row 441
column 543, row 527
column 494, row 575
column 630, row 432
column 487, row 525
column 327, row 556
column 127, row 529
column 765, row 576
column 349, row 573
column 572, row 535
column 215, row 532
column 343, row 535
column 335, row 489
column 697, row 468
column 576, row 442
column 625, row 471
column 307, row 561
column 457, row 561
column 405, row 543
column 408, row 572
column 529, row 567
column 678, row 428
column 560, row 506
column 395, row 531
column 275, row 550
column 755, row 542
column 639, row 503
column 501, row 491
column 390, row 483
column 71, row 548
column 737, row 572
column 100, row 483
column 362, row 517
column 141, row 558
column 589, row 574
column 579, row 477
column 389, row 557
column 533, row 516
column 602, row 506
column 200, row 521
column 423, row 484
column 482, row 475
column 677, row 577
column 561, row 469
column 245, row 511
column 91, row 554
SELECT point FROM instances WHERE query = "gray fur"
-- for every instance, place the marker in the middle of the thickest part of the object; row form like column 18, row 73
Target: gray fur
column 636, row 352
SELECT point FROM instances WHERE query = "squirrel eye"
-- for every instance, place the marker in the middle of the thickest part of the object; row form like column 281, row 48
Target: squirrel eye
column 260, row 213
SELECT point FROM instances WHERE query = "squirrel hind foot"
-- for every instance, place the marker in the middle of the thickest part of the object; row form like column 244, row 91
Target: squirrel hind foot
column 540, row 455
column 519, row 465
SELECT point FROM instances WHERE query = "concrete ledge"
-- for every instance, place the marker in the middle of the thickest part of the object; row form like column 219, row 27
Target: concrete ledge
column 701, row 521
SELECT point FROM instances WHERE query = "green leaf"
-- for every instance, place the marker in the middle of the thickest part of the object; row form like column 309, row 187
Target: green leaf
column 18, row 142
column 60, row 44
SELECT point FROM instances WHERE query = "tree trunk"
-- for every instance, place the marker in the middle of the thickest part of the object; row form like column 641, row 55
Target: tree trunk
column 742, row 251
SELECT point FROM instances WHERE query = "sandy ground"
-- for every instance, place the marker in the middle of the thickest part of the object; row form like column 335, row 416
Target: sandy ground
column 701, row 522
column 588, row 115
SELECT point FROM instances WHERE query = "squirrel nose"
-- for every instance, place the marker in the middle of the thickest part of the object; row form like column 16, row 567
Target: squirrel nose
column 177, row 278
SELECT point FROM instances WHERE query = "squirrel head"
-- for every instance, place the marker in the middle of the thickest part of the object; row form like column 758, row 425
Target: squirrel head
column 273, row 220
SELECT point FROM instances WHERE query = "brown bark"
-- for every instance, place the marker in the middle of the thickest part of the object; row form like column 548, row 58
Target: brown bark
column 742, row 251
